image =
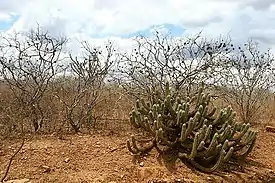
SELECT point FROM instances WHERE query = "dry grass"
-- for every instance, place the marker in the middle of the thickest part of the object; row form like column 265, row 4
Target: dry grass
column 110, row 112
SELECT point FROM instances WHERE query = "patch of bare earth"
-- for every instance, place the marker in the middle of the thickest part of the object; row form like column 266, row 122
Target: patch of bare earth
column 99, row 158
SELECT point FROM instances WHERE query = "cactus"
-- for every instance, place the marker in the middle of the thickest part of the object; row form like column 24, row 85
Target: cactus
column 204, row 136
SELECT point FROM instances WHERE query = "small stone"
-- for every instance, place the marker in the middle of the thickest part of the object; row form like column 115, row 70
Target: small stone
column 271, row 171
column 46, row 168
column 209, row 178
column 116, row 170
column 141, row 164
column 67, row 160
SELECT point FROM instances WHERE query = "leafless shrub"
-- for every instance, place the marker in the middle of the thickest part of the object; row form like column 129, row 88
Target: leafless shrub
column 184, row 61
column 28, row 62
column 79, row 89
column 247, row 79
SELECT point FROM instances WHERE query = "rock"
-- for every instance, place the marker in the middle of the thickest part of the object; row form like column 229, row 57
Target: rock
column 270, row 171
column 46, row 168
column 67, row 160
column 18, row 181
column 141, row 164
column 270, row 129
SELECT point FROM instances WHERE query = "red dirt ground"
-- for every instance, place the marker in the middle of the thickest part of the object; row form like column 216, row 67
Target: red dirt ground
column 98, row 158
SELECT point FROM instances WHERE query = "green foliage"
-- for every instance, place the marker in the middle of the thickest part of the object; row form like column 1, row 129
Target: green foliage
column 203, row 136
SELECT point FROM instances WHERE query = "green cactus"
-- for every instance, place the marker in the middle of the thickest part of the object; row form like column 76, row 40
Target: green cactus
column 204, row 136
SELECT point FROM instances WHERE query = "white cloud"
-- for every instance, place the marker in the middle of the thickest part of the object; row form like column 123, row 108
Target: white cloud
column 98, row 20
column 4, row 16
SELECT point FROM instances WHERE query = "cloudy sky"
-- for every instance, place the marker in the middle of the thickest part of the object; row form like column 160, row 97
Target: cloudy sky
column 119, row 20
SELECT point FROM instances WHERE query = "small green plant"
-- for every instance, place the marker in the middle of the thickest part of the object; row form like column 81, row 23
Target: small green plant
column 201, row 134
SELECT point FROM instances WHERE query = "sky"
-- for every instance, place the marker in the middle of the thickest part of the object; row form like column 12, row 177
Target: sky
column 120, row 20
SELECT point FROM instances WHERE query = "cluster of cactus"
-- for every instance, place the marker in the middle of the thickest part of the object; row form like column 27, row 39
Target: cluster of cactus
column 202, row 135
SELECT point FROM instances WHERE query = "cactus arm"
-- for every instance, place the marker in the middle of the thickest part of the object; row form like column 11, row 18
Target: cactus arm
column 211, row 148
column 209, row 169
column 247, row 151
column 135, row 149
column 132, row 150
column 189, row 129
column 244, row 129
column 218, row 118
column 160, row 136
column 134, row 122
column 225, row 134
column 179, row 117
column 194, row 148
column 207, row 133
column 201, row 146
column 169, row 106
column 183, row 132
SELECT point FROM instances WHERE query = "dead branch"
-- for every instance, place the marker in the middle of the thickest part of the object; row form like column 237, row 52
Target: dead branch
column 11, row 159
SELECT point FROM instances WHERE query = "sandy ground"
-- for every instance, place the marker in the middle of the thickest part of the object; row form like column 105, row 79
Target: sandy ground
column 105, row 158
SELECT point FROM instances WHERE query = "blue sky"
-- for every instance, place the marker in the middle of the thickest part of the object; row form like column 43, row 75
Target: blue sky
column 5, row 25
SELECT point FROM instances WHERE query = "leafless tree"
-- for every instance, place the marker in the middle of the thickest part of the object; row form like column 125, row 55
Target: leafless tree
column 28, row 62
column 80, row 88
column 184, row 61
column 247, row 78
